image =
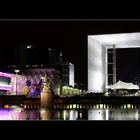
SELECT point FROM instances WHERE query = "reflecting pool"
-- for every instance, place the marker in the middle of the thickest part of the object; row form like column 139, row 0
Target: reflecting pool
column 70, row 114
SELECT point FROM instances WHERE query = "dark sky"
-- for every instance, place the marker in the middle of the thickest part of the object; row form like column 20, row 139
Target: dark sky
column 128, row 64
column 68, row 35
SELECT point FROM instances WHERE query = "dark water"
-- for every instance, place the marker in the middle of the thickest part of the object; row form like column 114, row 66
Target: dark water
column 70, row 114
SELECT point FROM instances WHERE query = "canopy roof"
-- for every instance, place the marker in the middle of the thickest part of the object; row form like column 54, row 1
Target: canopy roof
column 123, row 85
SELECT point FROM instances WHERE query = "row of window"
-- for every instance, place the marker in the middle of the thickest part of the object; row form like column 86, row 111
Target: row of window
column 34, row 65
column 13, row 66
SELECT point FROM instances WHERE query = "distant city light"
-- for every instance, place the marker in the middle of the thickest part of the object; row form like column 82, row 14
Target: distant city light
column 61, row 53
column 16, row 71
column 29, row 47
column 49, row 49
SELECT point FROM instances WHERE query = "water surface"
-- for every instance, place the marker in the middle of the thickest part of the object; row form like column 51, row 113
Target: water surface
column 70, row 114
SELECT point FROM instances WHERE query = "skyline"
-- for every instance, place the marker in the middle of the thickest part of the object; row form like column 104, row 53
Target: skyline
column 70, row 36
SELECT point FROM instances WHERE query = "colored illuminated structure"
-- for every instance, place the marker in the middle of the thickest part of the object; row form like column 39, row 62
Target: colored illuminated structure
column 13, row 84
column 28, row 58
column 46, row 95
column 5, row 80
column 35, row 75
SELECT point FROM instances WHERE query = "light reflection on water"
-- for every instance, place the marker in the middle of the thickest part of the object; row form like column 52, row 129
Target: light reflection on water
column 71, row 114
column 114, row 114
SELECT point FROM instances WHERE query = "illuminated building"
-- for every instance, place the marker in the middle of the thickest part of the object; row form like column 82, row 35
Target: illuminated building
column 67, row 74
column 5, row 82
column 67, row 71
column 98, row 64
column 28, row 58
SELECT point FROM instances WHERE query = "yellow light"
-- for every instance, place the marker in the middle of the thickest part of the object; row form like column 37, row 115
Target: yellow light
column 74, row 105
column 107, row 106
column 124, row 106
column 70, row 106
column 42, row 110
column 101, row 105
column 67, row 106
column 128, row 105
column 77, row 106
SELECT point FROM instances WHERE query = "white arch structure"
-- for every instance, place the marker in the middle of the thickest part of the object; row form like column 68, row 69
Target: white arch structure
column 97, row 56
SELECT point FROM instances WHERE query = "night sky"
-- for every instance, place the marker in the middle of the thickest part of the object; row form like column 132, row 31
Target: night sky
column 128, row 64
column 71, row 37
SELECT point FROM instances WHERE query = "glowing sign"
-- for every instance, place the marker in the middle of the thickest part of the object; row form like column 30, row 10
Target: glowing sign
column 5, row 74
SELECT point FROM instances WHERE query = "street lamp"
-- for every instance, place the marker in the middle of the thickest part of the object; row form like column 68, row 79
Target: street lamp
column 16, row 71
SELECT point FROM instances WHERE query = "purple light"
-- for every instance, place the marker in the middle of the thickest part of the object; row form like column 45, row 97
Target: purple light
column 5, row 74
column 5, row 87
column 4, row 114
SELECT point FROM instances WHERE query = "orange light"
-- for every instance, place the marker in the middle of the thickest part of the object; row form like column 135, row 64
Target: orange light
column 6, row 106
